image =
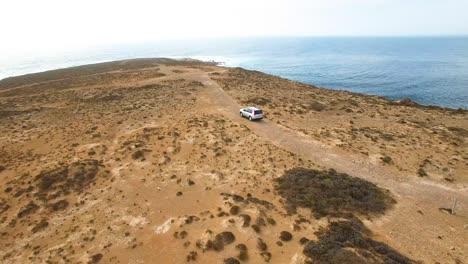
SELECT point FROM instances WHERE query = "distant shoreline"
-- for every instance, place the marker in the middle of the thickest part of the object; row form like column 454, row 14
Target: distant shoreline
column 430, row 70
column 401, row 101
column 43, row 75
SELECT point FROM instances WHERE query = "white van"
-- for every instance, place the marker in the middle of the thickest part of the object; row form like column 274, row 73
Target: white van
column 252, row 113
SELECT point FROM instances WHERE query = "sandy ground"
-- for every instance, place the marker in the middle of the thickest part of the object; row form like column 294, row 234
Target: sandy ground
column 147, row 161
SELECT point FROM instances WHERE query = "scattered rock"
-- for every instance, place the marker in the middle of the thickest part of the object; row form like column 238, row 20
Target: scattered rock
column 43, row 224
column 386, row 159
column 246, row 218
column 266, row 256
column 404, row 102
column 226, row 237
column 243, row 255
column 241, row 247
column 204, row 244
column 231, row 261
column 256, row 228
column 3, row 206
column 182, row 234
column 422, row 172
column 60, row 205
column 264, row 203
column 192, row 256
column 138, row 155
column 260, row 221
column 271, row 221
column 95, row 258
column 189, row 219
column 285, row 236
column 303, row 240
column 262, row 246
column 316, row 106
column 235, row 197
column 221, row 214
column 222, row 239
column 234, row 210
column 30, row 208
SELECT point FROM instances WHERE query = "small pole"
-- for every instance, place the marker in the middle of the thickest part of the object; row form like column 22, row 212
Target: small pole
column 454, row 204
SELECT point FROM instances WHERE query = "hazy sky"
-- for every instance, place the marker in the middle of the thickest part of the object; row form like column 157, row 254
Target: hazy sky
column 44, row 25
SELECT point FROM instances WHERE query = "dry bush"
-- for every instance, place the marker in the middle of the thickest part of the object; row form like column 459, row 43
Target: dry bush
column 316, row 106
column 62, row 181
column 331, row 193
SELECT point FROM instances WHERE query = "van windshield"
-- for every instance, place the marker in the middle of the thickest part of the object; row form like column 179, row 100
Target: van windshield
column 258, row 112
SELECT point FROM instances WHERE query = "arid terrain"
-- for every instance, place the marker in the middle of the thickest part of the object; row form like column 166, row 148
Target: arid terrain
column 148, row 161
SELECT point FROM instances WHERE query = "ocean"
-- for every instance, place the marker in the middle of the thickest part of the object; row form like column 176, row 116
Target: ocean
column 428, row 70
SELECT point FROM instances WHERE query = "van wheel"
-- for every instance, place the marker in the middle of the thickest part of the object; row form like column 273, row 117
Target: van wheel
column 241, row 114
column 250, row 118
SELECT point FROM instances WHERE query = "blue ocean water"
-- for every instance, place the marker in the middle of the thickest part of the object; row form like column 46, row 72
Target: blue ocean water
column 428, row 70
